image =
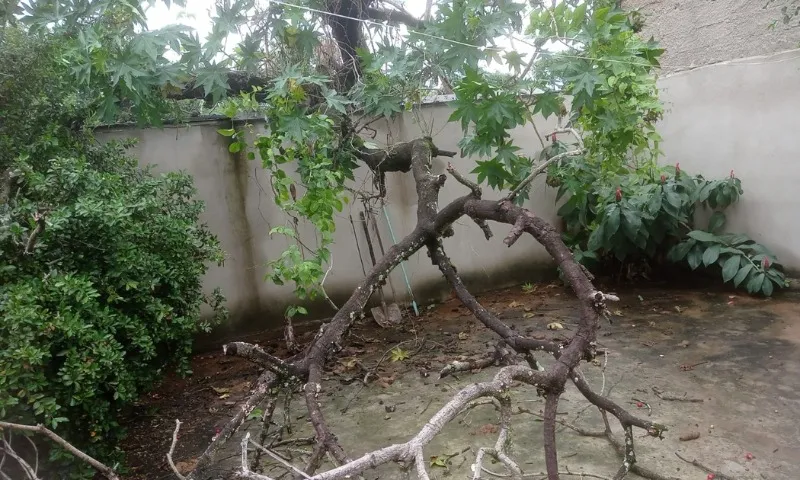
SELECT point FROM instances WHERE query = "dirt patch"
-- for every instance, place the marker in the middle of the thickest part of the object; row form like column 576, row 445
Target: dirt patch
column 738, row 356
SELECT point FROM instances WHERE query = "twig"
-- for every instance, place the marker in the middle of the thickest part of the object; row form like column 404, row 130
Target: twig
column 579, row 430
column 716, row 473
column 276, row 457
column 671, row 398
column 538, row 171
column 103, row 469
column 172, row 450
column 25, row 466
column 39, row 217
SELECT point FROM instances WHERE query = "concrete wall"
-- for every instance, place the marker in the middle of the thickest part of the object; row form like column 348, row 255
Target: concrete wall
column 701, row 32
column 742, row 116
column 240, row 210
column 737, row 116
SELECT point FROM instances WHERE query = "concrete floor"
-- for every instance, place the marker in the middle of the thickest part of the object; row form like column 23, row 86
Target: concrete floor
column 746, row 354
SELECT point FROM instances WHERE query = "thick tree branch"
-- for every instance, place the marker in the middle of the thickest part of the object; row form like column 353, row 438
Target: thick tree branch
column 432, row 224
column 394, row 16
column 511, row 337
column 257, row 355
column 549, row 426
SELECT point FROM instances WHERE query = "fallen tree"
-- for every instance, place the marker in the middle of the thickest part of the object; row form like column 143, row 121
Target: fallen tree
column 433, row 224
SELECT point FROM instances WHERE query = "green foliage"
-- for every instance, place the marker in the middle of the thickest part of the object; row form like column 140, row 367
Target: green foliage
column 308, row 138
column 646, row 215
column 100, row 267
column 742, row 261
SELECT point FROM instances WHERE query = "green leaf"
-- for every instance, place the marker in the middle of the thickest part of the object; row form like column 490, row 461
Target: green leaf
column 612, row 220
column 679, row 251
column 226, row 132
column 754, row 285
column 767, row 287
column 596, row 239
column 730, row 268
column 716, row 222
column 743, row 272
column 711, row 254
column 695, row 257
column 547, row 104
column 584, row 82
column 702, row 236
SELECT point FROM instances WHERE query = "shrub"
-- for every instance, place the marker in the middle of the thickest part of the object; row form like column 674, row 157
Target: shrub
column 101, row 266
column 637, row 217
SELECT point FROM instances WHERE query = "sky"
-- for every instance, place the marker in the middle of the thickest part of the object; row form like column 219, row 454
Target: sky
column 199, row 13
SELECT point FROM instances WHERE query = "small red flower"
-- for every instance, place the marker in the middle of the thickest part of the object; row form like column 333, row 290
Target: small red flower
column 677, row 169
column 639, row 404
column 663, row 179
column 749, row 456
column 554, row 138
column 619, row 194
column 732, row 175
column 765, row 263
column 710, row 476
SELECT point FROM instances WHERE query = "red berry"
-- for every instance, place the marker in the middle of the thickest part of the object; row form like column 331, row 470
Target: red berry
column 619, row 194
column 639, row 404
column 663, row 179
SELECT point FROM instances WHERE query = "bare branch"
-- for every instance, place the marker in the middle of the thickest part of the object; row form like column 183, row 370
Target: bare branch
column 717, row 474
column 29, row 471
column 539, row 170
column 276, row 457
column 101, row 468
column 259, row 393
column 257, row 355
column 172, row 450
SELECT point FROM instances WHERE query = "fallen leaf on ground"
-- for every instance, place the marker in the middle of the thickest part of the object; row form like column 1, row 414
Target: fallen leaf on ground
column 555, row 326
column 221, row 391
column 488, row 429
column 689, row 436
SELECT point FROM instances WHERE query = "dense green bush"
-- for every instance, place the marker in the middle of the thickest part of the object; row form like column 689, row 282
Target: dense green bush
column 101, row 264
column 635, row 217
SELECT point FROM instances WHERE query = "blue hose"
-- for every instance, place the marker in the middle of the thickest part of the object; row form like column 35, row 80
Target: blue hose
column 402, row 264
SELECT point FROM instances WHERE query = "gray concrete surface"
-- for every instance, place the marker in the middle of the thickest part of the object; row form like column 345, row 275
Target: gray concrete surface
column 702, row 32
column 746, row 354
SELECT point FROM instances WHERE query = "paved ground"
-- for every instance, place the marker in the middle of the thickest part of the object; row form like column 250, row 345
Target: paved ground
column 745, row 355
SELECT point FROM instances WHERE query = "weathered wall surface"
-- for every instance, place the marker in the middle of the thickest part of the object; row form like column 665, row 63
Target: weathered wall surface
column 701, row 32
column 240, row 210
column 737, row 116
column 742, row 116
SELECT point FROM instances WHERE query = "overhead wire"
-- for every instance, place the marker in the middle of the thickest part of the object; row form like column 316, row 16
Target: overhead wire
column 521, row 40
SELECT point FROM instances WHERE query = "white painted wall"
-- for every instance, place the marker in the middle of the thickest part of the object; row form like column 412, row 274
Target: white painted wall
column 743, row 116
column 740, row 115
column 241, row 212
